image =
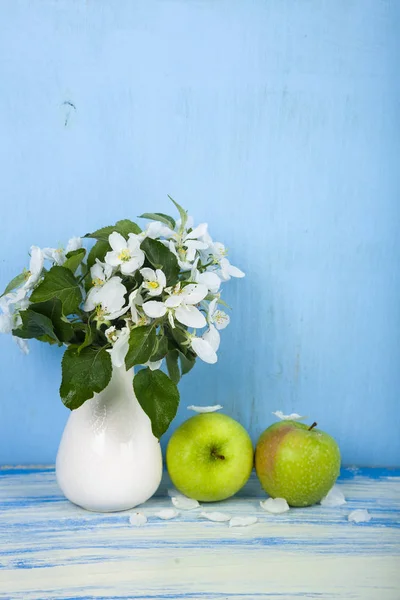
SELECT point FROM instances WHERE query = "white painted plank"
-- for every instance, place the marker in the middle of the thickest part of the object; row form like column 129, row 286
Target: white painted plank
column 52, row 549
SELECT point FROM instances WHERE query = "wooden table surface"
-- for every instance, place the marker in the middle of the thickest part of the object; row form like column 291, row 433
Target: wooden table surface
column 50, row 548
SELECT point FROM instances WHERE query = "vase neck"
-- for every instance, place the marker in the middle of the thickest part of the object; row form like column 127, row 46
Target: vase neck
column 120, row 375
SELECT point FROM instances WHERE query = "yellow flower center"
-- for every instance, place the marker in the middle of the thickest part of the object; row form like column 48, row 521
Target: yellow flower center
column 124, row 255
column 219, row 317
column 100, row 312
column 152, row 285
column 97, row 282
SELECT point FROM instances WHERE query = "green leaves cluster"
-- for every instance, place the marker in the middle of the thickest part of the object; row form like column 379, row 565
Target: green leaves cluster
column 55, row 315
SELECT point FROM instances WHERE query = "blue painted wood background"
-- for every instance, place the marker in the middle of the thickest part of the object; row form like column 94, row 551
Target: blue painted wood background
column 275, row 121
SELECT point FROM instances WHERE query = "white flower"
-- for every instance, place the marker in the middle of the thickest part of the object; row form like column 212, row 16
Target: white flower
column 207, row 278
column 135, row 299
column 218, row 253
column 156, row 229
column 100, row 273
column 154, row 309
column 108, row 300
column 120, row 341
column 125, row 254
column 73, row 244
column 180, row 304
column 218, row 317
column 204, row 349
column 35, row 268
column 192, row 243
column 185, row 245
column 182, row 300
column 180, row 254
column 10, row 319
column 154, row 281
column 227, row 270
column 57, row 255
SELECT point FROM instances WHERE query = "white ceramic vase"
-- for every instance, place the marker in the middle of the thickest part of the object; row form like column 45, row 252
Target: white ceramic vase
column 108, row 458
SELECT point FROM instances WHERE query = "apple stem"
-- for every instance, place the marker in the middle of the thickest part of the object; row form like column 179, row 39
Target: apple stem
column 215, row 455
column 312, row 426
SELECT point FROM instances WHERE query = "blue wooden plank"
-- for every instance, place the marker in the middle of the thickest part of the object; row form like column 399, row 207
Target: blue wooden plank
column 53, row 549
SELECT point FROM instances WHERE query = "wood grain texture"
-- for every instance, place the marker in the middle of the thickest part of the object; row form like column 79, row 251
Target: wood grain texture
column 52, row 549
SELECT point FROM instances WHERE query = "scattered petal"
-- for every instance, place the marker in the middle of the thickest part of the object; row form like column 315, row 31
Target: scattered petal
column 138, row 519
column 184, row 503
column 173, row 493
column 242, row 521
column 216, row 516
column 205, row 409
column 361, row 515
column 166, row 514
column 275, row 505
column 334, row 497
column 292, row 417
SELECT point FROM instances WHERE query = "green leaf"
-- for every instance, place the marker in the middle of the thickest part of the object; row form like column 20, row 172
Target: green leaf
column 142, row 341
column 99, row 251
column 182, row 212
column 84, row 374
column 14, row 283
column 187, row 362
column 74, row 259
column 53, row 310
column 172, row 365
column 159, row 398
column 124, row 227
column 60, row 283
column 179, row 335
column 161, row 258
column 35, row 325
column 166, row 219
column 161, row 348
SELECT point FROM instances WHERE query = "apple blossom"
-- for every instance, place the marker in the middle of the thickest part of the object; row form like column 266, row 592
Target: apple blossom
column 126, row 255
column 218, row 317
column 154, row 281
column 58, row 255
column 120, row 341
column 108, row 300
column 115, row 293
column 35, row 268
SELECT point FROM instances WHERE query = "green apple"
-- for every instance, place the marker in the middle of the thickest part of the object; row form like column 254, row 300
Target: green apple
column 210, row 457
column 297, row 462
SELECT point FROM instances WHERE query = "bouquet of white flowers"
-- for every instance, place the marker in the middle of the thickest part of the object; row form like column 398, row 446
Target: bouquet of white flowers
column 136, row 298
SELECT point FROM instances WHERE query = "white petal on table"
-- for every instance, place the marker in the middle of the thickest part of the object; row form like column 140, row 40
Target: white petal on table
column 334, row 497
column 216, row 516
column 166, row 514
column 361, row 515
column 205, row 409
column 138, row 519
column 242, row 521
column 291, row 417
column 184, row 503
column 275, row 505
